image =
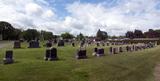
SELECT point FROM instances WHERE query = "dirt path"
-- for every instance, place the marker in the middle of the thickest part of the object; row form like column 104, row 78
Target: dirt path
column 157, row 72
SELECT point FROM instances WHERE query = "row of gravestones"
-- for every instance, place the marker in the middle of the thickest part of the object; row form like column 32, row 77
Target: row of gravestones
column 35, row 44
column 131, row 48
column 51, row 53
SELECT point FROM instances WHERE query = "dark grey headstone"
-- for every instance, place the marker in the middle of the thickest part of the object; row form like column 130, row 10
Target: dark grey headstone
column 120, row 49
column 8, row 57
column 34, row 44
column 17, row 44
column 111, row 50
column 81, row 54
column 49, row 44
column 51, row 54
column 115, row 51
column 61, row 43
column 73, row 44
column 100, row 52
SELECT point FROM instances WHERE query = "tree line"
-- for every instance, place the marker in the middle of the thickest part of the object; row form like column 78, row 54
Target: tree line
column 139, row 34
column 8, row 32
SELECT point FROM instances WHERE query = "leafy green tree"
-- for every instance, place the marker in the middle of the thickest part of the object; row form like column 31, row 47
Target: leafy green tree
column 152, row 33
column 47, row 35
column 7, row 31
column 67, row 35
column 31, row 34
column 80, row 37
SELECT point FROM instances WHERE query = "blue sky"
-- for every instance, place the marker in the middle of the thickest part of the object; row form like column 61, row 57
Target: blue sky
column 60, row 5
column 85, row 16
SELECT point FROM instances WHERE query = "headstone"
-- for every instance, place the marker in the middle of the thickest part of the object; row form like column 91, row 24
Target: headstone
column 73, row 44
column 8, row 57
column 55, row 41
column 51, row 54
column 95, row 51
column 47, row 55
column 103, row 44
column 100, row 52
column 17, row 44
column 113, row 43
column 34, row 44
column 49, row 44
column 120, row 49
column 115, row 51
column 81, row 54
column 82, row 43
column 136, row 48
column 128, row 48
column 133, row 48
column 61, row 43
column 107, row 44
column 98, row 44
column 111, row 50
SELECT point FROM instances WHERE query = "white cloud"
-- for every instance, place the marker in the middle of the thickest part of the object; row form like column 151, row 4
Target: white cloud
column 127, row 15
column 26, row 13
column 86, row 18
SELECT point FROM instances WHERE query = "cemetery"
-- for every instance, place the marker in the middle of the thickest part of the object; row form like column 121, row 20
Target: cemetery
column 55, row 60
column 79, row 40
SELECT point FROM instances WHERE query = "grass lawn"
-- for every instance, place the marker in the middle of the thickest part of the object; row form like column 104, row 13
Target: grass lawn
column 30, row 66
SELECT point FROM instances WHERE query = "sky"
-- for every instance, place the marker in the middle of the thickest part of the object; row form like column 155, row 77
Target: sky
column 116, row 17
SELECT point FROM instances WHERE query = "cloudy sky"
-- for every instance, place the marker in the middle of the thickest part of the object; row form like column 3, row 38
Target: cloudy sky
column 85, row 16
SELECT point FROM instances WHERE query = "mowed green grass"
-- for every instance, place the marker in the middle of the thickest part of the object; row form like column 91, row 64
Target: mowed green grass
column 30, row 65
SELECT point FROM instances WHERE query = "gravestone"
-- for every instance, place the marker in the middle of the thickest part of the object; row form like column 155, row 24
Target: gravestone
column 55, row 41
column 133, row 48
column 120, row 49
column 61, row 43
column 47, row 55
column 8, row 57
column 136, row 48
column 127, row 48
column 103, row 44
column 73, row 44
column 111, row 50
column 81, row 54
column 95, row 51
column 113, row 43
column 115, row 51
column 34, row 44
column 107, row 44
column 51, row 54
column 17, row 44
column 100, row 52
column 82, row 43
column 98, row 44
column 49, row 44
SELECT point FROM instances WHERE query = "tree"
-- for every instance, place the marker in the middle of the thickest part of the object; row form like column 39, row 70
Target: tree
column 130, row 34
column 138, row 34
column 31, row 34
column 101, row 35
column 7, row 31
column 80, row 37
column 47, row 35
column 67, row 35
column 152, row 33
